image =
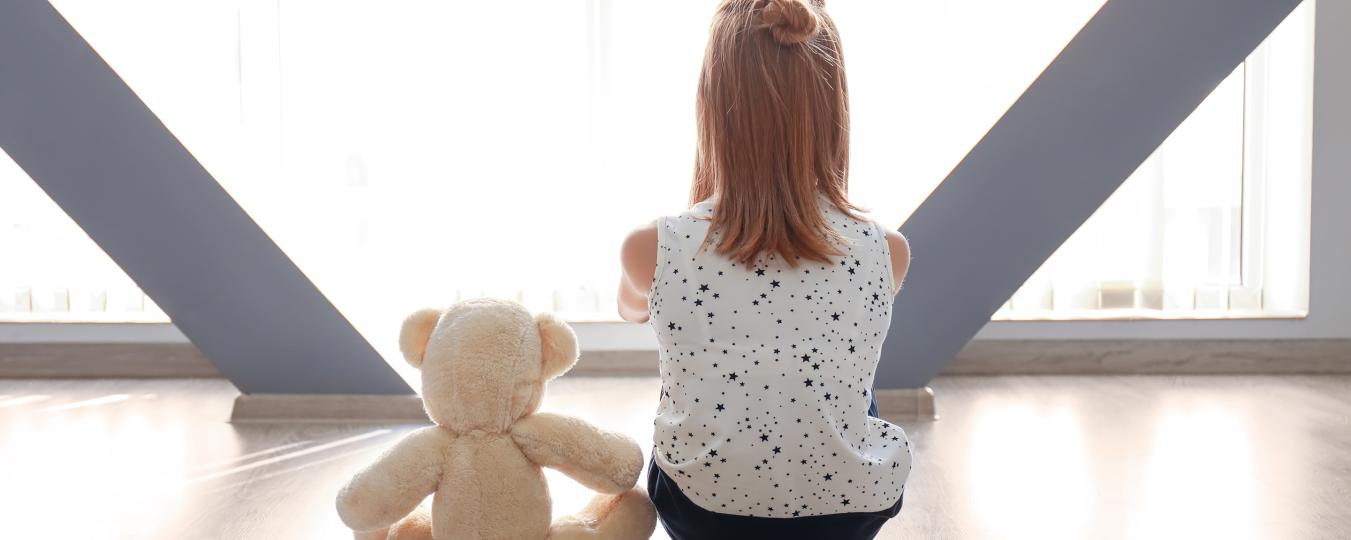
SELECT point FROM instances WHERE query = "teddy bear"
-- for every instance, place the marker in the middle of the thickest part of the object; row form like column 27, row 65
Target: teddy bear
column 484, row 366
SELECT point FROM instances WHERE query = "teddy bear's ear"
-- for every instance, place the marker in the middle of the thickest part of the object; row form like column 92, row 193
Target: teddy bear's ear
column 417, row 330
column 557, row 343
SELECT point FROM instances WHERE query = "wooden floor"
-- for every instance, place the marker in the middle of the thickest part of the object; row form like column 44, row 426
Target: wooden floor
column 1228, row 457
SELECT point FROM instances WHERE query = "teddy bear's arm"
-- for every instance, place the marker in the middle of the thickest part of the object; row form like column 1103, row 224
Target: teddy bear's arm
column 390, row 488
column 603, row 461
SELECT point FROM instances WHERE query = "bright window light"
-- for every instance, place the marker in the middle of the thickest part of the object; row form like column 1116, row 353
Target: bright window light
column 407, row 154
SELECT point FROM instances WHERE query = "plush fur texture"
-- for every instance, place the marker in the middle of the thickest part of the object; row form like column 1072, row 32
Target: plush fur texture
column 484, row 367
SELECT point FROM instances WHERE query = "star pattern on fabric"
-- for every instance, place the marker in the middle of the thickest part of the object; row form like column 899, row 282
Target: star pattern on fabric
column 766, row 371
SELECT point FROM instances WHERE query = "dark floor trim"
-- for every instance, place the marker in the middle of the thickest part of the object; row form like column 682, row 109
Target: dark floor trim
column 1136, row 357
column 103, row 361
column 616, row 364
column 981, row 357
column 345, row 408
column 906, row 404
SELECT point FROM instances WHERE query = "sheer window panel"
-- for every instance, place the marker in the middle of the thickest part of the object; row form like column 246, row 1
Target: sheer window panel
column 1167, row 239
column 1163, row 232
column 1280, row 119
column 1191, row 234
column 50, row 270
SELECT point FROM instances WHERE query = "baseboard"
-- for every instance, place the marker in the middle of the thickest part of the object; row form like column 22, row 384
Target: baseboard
column 183, row 360
column 1153, row 357
column 980, row 357
column 616, row 364
column 103, row 361
column 906, row 403
column 344, row 408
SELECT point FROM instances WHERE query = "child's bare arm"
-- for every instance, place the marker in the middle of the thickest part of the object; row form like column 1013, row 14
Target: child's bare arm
column 639, row 259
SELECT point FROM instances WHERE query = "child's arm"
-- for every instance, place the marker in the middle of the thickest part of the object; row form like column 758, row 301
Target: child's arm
column 603, row 461
column 900, row 257
column 396, row 483
column 639, row 259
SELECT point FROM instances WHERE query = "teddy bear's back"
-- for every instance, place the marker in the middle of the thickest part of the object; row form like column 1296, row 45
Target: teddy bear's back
column 486, row 486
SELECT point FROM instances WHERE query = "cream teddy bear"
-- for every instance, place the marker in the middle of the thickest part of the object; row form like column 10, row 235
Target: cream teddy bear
column 484, row 367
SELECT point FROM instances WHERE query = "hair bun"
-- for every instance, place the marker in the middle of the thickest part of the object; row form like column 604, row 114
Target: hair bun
column 790, row 21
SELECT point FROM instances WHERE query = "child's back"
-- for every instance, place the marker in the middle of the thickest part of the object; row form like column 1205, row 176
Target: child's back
column 767, row 374
column 770, row 298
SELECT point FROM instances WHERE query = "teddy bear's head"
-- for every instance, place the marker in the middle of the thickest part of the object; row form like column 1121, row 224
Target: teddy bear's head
column 484, row 362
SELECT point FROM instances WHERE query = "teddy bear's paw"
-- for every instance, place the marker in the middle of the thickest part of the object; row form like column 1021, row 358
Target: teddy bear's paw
column 415, row 526
column 627, row 516
column 382, row 534
column 571, row 528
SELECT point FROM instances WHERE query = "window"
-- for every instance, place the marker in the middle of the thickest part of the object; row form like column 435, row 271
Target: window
column 51, row 270
column 1186, row 236
column 408, row 154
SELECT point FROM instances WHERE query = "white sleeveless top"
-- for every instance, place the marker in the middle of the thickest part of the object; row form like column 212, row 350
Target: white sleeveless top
column 767, row 375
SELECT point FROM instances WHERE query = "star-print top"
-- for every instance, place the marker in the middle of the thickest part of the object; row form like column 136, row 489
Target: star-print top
column 767, row 374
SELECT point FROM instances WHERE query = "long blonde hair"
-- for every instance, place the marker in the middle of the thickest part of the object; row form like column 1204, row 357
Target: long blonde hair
column 773, row 124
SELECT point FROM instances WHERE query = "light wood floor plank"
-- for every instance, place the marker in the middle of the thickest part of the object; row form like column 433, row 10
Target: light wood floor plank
column 1041, row 457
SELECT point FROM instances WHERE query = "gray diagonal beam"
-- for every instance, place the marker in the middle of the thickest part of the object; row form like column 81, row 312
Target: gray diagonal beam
column 76, row 128
column 1120, row 87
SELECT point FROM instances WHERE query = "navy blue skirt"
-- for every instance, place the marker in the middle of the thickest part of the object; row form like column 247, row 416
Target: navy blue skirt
column 685, row 520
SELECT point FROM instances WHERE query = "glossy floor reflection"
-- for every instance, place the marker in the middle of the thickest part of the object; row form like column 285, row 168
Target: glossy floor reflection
column 1012, row 457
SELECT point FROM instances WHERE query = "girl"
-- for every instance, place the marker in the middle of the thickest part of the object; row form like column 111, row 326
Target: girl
column 770, row 298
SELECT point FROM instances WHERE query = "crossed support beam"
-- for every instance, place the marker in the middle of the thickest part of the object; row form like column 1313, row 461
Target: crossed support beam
column 1111, row 97
column 1130, row 77
column 81, row 133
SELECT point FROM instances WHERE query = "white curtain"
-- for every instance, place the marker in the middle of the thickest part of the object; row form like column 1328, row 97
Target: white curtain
column 1186, row 235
